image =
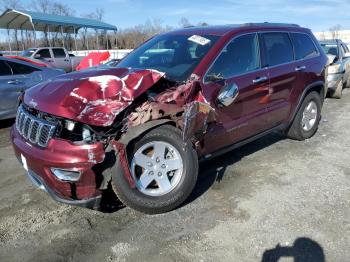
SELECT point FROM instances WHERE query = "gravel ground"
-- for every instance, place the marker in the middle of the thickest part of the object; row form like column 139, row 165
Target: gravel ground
column 273, row 198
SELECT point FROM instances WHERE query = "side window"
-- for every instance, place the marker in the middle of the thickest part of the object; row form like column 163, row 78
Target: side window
column 20, row 69
column 58, row 53
column 240, row 56
column 5, row 70
column 44, row 53
column 344, row 49
column 303, row 45
column 277, row 49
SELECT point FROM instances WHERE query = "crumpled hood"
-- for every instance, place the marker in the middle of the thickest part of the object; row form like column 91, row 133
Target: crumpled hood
column 93, row 97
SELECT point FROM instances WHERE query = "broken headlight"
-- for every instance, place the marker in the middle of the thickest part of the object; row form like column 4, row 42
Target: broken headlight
column 75, row 131
column 335, row 69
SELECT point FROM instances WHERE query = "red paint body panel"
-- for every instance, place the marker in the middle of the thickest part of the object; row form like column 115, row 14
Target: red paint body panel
column 92, row 97
column 27, row 60
column 93, row 59
column 96, row 97
column 62, row 154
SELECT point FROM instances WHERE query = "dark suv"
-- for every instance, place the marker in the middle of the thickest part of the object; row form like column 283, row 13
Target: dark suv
column 140, row 128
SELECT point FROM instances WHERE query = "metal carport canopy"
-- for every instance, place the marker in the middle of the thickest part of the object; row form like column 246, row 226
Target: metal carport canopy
column 30, row 20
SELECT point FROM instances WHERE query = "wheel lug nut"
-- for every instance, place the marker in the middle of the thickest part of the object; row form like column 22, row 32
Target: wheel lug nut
column 163, row 166
column 159, row 174
column 150, row 173
column 149, row 164
column 157, row 160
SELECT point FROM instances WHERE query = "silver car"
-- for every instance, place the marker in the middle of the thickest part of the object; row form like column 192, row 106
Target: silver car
column 339, row 68
column 15, row 77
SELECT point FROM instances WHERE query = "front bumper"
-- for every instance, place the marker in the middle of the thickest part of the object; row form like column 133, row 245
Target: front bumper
column 65, row 155
column 37, row 181
column 333, row 80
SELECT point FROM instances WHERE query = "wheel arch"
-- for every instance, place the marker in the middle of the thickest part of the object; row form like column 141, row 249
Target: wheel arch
column 319, row 87
column 140, row 130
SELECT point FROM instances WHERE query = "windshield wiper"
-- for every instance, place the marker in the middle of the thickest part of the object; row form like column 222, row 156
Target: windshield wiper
column 215, row 77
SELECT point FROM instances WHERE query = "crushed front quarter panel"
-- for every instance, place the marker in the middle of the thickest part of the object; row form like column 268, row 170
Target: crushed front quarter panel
column 92, row 97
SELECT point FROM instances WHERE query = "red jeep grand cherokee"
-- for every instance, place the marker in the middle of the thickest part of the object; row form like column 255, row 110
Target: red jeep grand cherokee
column 139, row 128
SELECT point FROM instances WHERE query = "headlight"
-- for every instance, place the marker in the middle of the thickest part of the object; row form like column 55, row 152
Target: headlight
column 335, row 69
column 69, row 125
column 86, row 134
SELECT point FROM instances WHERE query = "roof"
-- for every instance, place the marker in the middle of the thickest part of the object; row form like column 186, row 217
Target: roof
column 23, row 19
column 223, row 29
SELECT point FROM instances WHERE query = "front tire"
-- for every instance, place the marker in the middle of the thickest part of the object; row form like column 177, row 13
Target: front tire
column 305, row 123
column 165, row 170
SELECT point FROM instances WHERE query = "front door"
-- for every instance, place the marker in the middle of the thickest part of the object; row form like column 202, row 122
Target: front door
column 238, row 64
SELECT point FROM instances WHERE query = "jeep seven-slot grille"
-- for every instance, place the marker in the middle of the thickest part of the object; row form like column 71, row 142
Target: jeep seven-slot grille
column 37, row 131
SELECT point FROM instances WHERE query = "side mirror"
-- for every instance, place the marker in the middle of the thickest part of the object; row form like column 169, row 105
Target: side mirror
column 227, row 95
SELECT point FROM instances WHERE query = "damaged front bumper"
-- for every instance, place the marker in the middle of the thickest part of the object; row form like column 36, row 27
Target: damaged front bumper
column 64, row 155
column 37, row 181
column 333, row 80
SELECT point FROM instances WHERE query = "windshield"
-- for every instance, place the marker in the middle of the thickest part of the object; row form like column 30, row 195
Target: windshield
column 28, row 52
column 176, row 55
column 330, row 49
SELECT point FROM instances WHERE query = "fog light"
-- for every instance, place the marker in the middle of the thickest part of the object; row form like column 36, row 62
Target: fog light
column 66, row 175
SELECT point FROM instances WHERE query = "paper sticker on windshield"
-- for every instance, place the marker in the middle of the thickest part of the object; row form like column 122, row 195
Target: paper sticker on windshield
column 199, row 40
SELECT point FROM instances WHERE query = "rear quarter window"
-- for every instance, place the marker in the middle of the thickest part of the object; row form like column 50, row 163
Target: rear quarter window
column 277, row 48
column 21, row 69
column 303, row 45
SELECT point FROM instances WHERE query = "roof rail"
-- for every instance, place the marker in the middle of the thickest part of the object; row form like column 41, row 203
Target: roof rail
column 270, row 24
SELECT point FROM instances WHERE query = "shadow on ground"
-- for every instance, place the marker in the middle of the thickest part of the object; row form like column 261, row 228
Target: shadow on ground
column 213, row 171
column 303, row 250
column 6, row 123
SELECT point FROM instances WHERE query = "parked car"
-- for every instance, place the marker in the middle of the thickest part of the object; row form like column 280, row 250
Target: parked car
column 338, row 75
column 141, row 128
column 15, row 77
column 54, row 57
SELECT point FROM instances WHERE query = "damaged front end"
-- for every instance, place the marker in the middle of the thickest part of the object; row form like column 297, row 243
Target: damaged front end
column 101, row 114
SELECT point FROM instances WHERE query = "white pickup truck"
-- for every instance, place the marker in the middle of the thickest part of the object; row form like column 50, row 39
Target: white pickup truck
column 53, row 57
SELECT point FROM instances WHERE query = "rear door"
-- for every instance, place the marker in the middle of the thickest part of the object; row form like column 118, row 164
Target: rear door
column 61, row 59
column 278, row 59
column 10, row 89
column 238, row 64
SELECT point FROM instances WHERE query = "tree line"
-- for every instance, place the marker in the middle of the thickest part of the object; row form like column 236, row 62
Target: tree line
column 127, row 38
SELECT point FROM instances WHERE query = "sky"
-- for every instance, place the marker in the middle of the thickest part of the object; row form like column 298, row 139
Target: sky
column 319, row 15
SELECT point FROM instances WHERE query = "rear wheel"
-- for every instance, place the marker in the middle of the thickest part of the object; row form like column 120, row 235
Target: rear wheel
column 164, row 168
column 306, row 121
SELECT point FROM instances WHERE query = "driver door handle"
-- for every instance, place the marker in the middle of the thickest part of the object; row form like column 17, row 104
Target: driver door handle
column 300, row 68
column 14, row 82
column 260, row 80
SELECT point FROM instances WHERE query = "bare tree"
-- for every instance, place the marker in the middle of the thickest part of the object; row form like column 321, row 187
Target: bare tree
column 335, row 31
column 184, row 22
